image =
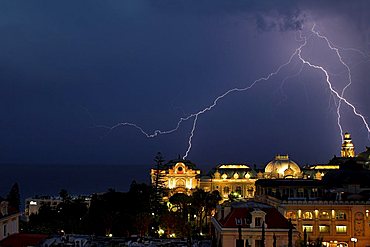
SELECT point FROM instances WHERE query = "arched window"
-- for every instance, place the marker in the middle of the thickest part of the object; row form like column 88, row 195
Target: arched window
column 307, row 215
column 291, row 215
column 180, row 183
column 180, row 170
column 324, row 215
column 340, row 215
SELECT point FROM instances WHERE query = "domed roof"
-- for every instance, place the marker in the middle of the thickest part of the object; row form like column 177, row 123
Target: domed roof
column 281, row 164
column 172, row 163
column 288, row 172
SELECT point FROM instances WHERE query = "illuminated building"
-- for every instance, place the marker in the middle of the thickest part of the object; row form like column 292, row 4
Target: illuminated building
column 33, row 204
column 330, row 200
column 231, row 179
column 282, row 167
column 348, row 149
column 9, row 220
column 250, row 216
column 179, row 176
column 336, row 207
column 335, row 221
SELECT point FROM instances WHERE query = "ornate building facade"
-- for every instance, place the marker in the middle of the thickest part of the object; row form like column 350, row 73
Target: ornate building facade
column 329, row 201
column 231, row 180
column 179, row 176
column 348, row 149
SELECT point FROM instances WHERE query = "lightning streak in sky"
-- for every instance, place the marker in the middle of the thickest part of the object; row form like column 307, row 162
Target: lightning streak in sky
column 341, row 98
column 349, row 77
column 297, row 53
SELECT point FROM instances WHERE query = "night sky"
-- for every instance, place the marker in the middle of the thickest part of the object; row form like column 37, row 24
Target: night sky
column 67, row 68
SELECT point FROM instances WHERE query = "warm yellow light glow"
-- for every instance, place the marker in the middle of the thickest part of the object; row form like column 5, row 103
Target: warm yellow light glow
column 160, row 232
column 316, row 213
column 341, row 229
column 307, row 215
column 327, row 167
column 309, row 228
column 234, row 167
column 324, row 228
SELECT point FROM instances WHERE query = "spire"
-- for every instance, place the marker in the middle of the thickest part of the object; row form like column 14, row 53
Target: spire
column 348, row 149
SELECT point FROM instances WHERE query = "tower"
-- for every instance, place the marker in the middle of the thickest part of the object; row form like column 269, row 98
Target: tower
column 348, row 149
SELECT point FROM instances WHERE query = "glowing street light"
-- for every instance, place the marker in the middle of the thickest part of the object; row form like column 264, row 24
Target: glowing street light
column 354, row 240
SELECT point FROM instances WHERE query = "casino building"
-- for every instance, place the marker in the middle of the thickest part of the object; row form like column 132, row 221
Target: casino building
column 330, row 201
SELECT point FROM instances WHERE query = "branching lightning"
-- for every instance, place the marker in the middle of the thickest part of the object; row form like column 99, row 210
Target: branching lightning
column 296, row 54
column 349, row 77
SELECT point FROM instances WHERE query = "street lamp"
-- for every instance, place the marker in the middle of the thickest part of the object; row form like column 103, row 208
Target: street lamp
column 354, row 240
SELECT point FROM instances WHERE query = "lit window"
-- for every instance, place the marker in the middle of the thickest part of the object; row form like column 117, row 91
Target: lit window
column 324, row 228
column 180, row 170
column 340, row 215
column 341, row 229
column 291, row 215
column 307, row 215
column 324, row 215
column 309, row 228
column 33, row 203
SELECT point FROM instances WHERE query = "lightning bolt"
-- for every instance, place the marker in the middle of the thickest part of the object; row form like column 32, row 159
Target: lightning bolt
column 332, row 47
column 297, row 53
column 339, row 96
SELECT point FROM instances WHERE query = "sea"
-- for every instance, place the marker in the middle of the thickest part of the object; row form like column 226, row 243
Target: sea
column 76, row 179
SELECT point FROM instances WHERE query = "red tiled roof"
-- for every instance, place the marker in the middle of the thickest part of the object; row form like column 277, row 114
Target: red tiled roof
column 22, row 240
column 274, row 219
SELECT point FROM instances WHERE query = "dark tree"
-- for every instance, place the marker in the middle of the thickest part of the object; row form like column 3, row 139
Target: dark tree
column 14, row 197
column 64, row 195
column 158, row 186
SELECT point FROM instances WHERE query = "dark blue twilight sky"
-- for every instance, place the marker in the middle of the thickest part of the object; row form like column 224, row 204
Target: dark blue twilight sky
column 67, row 67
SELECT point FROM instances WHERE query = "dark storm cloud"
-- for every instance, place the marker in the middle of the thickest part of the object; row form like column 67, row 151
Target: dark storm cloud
column 280, row 21
column 266, row 15
column 272, row 15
